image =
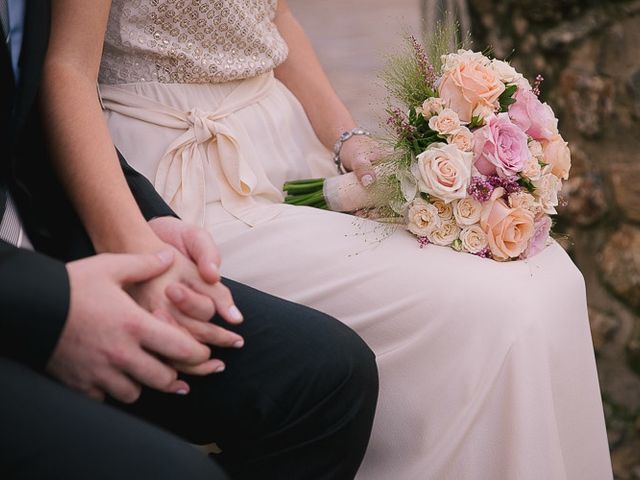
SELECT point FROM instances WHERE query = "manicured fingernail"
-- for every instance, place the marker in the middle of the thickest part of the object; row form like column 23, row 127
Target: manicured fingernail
column 182, row 391
column 239, row 344
column 367, row 180
column 165, row 256
column 220, row 368
column 235, row 314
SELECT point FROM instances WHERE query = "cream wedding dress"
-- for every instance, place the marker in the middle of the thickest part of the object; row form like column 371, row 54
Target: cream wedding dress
column 486, row 369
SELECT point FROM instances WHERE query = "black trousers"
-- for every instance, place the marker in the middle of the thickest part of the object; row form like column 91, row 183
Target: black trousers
column 297, row 402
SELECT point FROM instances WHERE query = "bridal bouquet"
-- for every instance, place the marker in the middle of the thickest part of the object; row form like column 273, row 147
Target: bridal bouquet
column 476, row 160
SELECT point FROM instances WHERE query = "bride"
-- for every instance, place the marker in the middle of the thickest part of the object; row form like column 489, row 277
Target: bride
column 486, row 369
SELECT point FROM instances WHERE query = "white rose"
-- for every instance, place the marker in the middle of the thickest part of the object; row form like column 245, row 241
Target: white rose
column 445, row 210
column 467, row 211
column 445, row 234
column 443, row 171
column 432, row 106
column 445, row 123
column 547, row 188
column 506, row 72
column 473, row 239
column 463, row 139
column 422, row 218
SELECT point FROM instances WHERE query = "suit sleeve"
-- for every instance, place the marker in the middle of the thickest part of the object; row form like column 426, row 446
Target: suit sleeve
column 149, row 201
column 34, row 304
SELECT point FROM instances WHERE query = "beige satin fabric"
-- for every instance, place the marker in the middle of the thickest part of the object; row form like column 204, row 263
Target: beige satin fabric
column 180, row 177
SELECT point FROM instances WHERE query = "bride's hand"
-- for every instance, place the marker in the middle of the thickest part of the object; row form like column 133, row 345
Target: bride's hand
column 358, row 155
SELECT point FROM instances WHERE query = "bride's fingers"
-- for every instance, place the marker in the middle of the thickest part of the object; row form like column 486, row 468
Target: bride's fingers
column 203, row 251
column 212, row 334
column 190, row 303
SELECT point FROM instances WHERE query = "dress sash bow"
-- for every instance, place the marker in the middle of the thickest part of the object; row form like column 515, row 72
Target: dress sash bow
column 180, row 178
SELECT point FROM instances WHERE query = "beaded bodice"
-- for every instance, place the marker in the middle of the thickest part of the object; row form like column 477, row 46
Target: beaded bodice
column 190, row 41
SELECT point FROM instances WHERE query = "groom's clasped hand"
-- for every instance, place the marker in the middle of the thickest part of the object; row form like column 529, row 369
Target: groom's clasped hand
column 139, row 319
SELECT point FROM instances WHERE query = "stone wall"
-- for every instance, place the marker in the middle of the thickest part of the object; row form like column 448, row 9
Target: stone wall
column 589, row 53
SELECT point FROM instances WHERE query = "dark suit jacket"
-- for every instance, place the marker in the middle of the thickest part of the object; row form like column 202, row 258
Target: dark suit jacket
column 34, row 287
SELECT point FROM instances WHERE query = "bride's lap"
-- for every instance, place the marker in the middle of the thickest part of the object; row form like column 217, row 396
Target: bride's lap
column 349, row 264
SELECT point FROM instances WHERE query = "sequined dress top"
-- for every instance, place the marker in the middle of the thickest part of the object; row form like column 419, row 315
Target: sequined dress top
column 190, row 41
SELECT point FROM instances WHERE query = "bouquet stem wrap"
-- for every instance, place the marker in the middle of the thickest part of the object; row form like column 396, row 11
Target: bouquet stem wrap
column 342, row 193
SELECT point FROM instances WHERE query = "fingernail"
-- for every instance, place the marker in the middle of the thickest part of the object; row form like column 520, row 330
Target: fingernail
column 239, row 344
column 367, row 180
column 219, row 368
column 235, row 314
column 165, row 256
column 182, row 391
column 215, row 268
column 175, row 293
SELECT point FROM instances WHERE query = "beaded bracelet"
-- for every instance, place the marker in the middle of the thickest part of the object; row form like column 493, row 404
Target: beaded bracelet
column 338, row 146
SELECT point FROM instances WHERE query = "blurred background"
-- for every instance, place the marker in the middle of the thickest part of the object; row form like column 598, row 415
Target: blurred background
column 589, row 54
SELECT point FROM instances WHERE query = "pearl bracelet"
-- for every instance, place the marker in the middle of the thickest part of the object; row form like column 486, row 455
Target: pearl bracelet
column 338, row 146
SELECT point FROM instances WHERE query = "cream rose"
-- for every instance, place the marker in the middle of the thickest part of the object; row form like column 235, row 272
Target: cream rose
column 506, row 72
column 524, row 200
column 422, row 218
column 469, row 81
column 445, row 234
column 453, row 60
column 467, row 211
column 535, row 147
column 463, row 139
column 547, row 189
column 432, row 106
column 508, row 229
column 443, row 171
column 558, row 156
column 473, row 239
column 445, row 210
column 445, row 123
column 532, row 170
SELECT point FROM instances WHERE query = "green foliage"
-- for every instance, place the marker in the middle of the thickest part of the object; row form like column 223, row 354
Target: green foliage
column 526, row 183
column 404, row 78
column 506, row 98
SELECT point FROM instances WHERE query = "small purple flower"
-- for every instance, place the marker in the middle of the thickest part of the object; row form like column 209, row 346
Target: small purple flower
column 481, row 188
column 484, row 253
column 511, row 185
column 423, row 241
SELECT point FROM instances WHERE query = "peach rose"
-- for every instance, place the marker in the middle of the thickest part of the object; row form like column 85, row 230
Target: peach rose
column 443, row 171
column 469, row 81
column 422, row 218
column 473, row 239
column 445, row 211
column 463, row 139
column 445, row 234
column 508, row 229
column 467, row 211
column 445, row 123
column 558, row 156
column 432, row 106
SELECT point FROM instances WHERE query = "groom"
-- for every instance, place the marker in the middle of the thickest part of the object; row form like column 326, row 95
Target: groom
column 295, row 402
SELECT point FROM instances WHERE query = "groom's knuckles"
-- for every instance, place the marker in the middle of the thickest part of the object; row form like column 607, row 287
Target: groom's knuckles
column 173, row 343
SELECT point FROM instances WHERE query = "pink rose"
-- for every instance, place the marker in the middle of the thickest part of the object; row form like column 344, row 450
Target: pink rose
column 538, row 242
column 558, row 156
column 500, row 147
column 443, row 171
column 532, row 116
column 508, row 229
column 468, row 84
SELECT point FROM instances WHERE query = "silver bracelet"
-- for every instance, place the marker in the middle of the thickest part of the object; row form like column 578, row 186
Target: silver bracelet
column 338, row 146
